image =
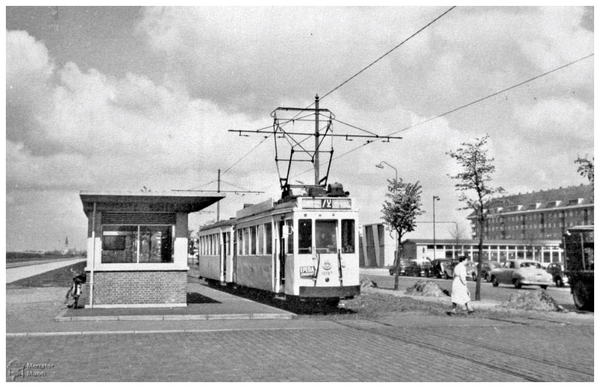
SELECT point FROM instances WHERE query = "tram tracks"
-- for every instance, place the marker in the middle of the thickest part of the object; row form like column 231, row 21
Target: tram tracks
column 504, row 360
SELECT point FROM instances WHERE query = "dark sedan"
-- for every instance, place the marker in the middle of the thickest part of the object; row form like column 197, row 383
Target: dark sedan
column 486, row 269
column 419, row 268
column 442, row 268
column 558, row 276
column 403, row 265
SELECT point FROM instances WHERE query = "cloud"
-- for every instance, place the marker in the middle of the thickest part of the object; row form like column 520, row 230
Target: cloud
column 86, row 128
column 73, row 127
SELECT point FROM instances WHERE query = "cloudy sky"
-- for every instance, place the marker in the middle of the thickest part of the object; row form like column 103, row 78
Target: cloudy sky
column 116, row 99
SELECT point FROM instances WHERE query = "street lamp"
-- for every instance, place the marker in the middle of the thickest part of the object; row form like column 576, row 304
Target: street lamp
column 380, row 165
column 435, row 198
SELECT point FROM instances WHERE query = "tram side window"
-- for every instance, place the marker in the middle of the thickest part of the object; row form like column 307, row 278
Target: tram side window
column 325, row 232
column 226, row 241
column 269, row 239
column 290, row 236
column 253, row 241
column 260, row 233
column 240, row 241
column 246, row 241
column 304, row 236
column 348, row 236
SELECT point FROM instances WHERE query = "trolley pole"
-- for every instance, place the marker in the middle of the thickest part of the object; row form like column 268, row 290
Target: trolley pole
column 316, row 157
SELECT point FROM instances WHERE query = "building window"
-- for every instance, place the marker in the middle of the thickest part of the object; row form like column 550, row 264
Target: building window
column 137, row 244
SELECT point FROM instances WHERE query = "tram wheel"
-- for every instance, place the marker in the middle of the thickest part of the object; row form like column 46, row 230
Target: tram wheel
column 581, row 297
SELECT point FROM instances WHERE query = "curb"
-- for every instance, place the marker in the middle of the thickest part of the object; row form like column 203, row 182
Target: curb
column 70, row 333
column 202, row 317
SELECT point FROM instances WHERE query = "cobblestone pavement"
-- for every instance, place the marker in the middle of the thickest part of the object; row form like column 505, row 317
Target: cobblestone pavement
column 347, row 350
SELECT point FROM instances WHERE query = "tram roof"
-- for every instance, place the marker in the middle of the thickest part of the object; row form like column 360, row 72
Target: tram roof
column 217, row 224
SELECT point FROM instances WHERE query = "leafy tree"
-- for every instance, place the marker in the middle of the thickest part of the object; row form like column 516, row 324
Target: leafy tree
column 476, row 177
column 400, row 212
column 586, row 168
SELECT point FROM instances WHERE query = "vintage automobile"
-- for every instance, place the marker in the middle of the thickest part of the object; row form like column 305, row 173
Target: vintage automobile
column 558, row 276
column 471, row 269
column 419, row 268
column 442, row 268
column 486, row 269
column 403, row 264
column 521, row 273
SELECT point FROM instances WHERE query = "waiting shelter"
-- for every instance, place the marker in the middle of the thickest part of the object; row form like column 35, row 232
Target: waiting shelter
column 138, row 247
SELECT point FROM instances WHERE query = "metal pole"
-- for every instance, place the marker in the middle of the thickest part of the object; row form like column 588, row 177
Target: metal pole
column 435, row 198
column 93, row 257
column 316, row 158
column 218, row 191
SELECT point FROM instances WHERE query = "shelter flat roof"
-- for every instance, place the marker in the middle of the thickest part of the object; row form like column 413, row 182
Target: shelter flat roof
column 148, row 201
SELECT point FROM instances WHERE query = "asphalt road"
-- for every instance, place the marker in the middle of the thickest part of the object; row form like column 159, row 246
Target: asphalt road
column 501, row 293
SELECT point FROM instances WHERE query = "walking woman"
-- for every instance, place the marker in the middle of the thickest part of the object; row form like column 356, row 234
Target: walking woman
column 460, row 292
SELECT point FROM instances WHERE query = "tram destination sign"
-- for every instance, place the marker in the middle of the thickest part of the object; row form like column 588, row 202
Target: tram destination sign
column 326, row 203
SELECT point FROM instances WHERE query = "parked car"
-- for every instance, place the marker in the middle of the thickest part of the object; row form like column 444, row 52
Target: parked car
column 521, row 273
column 403, row 264
column 419, row 268
column 442, row 268
column 558, row 276
column 486, row 269
column 471, row 269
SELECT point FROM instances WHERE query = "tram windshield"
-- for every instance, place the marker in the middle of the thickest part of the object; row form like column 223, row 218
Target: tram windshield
column 325, row 232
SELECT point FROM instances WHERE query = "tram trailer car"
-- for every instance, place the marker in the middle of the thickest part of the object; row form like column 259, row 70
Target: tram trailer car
column 215, row 252
column 302, row 247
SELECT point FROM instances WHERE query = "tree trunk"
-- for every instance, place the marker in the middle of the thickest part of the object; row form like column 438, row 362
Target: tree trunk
column 398, row 247
column 479, row 261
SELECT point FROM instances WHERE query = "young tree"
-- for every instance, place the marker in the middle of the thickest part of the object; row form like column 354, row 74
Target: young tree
column 476, row 176
column 457, row 234
column 400, row 212
column 586, row 168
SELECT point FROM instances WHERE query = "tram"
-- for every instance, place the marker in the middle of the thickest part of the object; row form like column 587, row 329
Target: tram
column 301, row 247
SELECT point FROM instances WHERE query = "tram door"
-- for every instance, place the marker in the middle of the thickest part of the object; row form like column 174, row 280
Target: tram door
column 224, row 255
column 282, row 237
column 234, row 236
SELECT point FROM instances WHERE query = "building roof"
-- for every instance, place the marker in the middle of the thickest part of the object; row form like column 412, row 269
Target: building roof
column 147, row 202
column 543, row 200
column 485, row 242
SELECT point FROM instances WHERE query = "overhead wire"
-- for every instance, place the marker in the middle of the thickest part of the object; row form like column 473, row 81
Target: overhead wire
column 466, row 105
column 346, row 81
column 388, row 52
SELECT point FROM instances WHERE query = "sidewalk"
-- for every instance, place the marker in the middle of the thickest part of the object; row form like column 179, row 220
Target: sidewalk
column 26, row 271
column 204, row 303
